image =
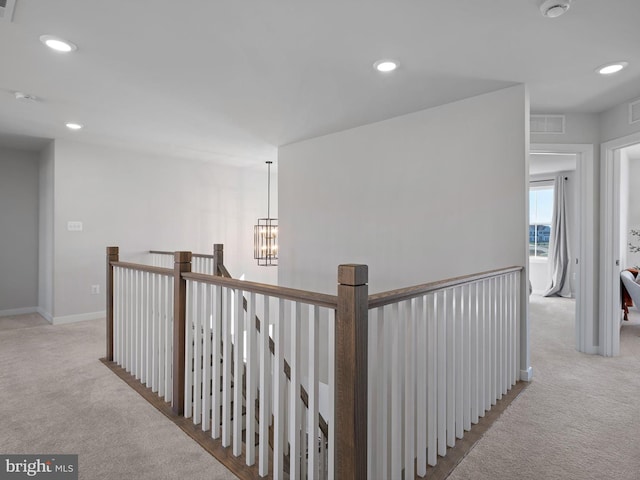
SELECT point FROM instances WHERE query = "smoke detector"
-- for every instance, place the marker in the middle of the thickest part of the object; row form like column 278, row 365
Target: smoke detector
column 554, row 8
column 25, row 97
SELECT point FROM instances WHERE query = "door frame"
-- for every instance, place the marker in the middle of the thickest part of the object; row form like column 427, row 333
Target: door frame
column 610, row 242
column 586, row 328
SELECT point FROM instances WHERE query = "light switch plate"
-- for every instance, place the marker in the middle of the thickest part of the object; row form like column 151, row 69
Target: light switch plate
column 74, row 226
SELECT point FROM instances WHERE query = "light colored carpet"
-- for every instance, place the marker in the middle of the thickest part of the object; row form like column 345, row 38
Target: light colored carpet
column 56, row 397
column 27, row 320
column 580, row 417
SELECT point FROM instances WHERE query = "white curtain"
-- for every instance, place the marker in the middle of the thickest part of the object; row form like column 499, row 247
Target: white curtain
column 559, row 244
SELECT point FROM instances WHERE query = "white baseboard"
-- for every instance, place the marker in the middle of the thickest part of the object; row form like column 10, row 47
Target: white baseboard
column 80, row 317
column 18, row 311
column 526, row 375
column 47, row 316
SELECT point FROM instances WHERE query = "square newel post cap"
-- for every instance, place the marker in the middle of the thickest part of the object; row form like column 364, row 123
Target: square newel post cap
column 218, row 246
column 353, row 275
column 113, row 250
column 182, row 257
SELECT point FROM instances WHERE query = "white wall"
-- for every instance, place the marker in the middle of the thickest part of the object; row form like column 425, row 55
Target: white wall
column 614, row 123
column 421, row 197
column 18, row 231
column 140, row 202
column 45, row 231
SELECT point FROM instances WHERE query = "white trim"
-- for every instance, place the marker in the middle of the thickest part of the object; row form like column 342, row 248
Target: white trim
column 586, row 293
column 47, row 316
column 610, row 245
column 526, row 375
column 80, row 317
column 18, row 311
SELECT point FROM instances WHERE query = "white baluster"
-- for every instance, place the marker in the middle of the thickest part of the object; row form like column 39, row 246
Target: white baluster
column 294, row 395
column 279, row 385
column 396, row 401
column 168, row 338
column 265, row 392
column 238, row 366
column 189, row 364
column 466, row 357
column 409, row 389
column 206, row 357
column 226, row 368
column 488, row 377
column 458, row 333
column 161, row 333
column 252, row 371
column 474, row 352
column 216, row 345
column 313, row 415
column 195, row 355
column 441, row 311
column 451, row 369
column 421, row 385
column 433, row 354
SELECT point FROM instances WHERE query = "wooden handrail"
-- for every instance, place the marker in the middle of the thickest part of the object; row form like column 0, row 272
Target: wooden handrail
column 144, row 268
column 199, row 255
column 311, row 298
column 394, row 296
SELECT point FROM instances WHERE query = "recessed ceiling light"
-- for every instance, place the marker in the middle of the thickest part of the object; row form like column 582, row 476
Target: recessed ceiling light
column 58, row 44
column 610, row 68
column 74, row 126
column 554, row 8
column 385, row 66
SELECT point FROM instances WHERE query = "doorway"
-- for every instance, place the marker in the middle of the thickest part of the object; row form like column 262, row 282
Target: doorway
column 582, row 258
column 617, row 221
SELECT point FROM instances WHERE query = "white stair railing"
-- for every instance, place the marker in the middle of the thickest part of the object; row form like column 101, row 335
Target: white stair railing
column 230, row 365
column 256, row 375
column 439, row 357
column 143, row 324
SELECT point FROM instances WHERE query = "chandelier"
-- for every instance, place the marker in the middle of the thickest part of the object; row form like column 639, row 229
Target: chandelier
column 265, row 233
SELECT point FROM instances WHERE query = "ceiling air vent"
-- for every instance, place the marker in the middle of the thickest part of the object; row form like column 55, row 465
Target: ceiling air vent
column 634, row 112
column 547, row 124
column 6, row 10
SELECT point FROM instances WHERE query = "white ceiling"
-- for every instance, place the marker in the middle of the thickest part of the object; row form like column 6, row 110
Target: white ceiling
column 232, row 80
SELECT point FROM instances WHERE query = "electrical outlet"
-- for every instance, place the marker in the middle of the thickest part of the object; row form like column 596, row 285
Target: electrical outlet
column 74, row 226
column 95, row 289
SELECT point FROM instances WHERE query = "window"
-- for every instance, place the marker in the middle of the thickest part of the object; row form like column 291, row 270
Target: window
column 540, row 215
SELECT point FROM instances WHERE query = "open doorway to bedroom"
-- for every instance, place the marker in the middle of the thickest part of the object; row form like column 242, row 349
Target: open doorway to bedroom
column 620, row 243
column 575, row 162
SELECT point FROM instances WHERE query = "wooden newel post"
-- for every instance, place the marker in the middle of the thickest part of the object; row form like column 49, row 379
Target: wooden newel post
column 113, row 255
column 218, row 258
column 182, row 264
column 351, row 373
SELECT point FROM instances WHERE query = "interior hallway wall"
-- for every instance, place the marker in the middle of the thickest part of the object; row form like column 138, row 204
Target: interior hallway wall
column 140, row 202
column 18, row 231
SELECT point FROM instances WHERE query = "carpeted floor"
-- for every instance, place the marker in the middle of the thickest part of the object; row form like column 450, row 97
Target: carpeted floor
column 56, row 397
column 22, row 321
column 580, row 417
